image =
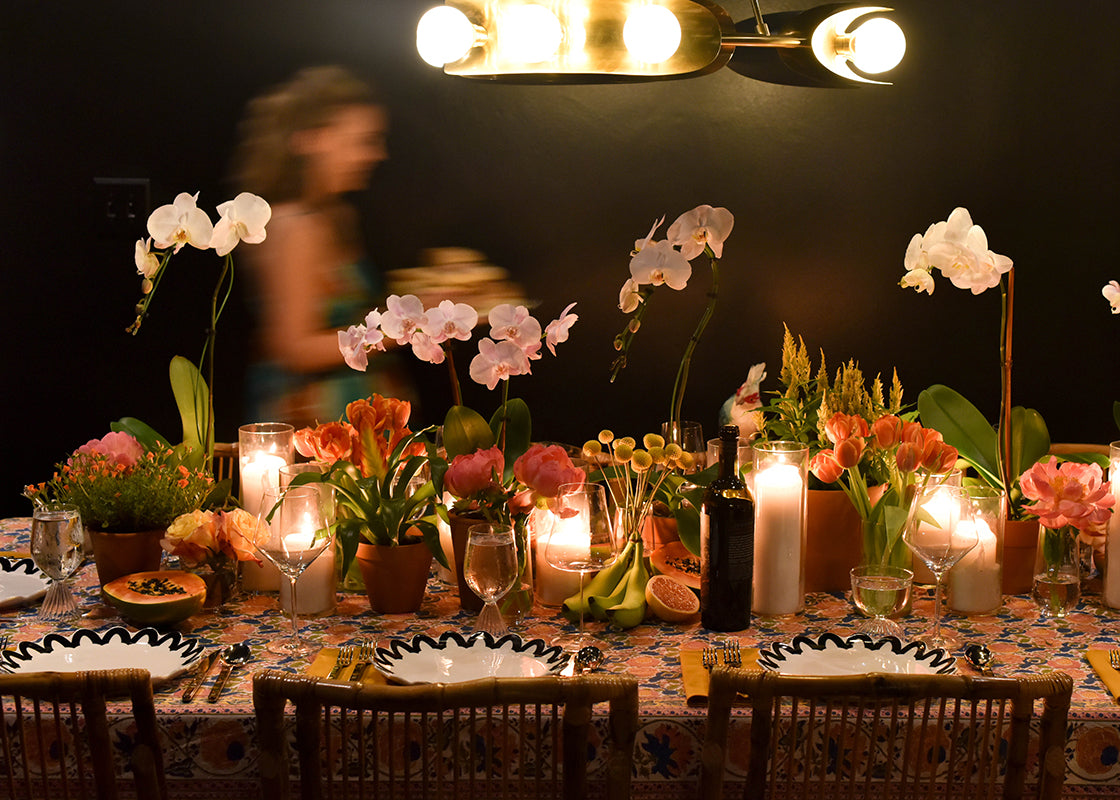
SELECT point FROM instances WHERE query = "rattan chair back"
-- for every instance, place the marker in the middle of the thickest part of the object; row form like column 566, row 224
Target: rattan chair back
column 55, row 737
column 225, row 464
column 490, row 738
column 889, row 736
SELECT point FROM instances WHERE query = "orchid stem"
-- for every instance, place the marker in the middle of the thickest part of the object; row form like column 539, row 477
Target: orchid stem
column 456, row 393
column 682, row 372
column 1007, row 297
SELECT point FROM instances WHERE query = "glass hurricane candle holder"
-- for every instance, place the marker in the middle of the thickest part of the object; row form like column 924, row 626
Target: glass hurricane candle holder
column 262, row 449
column 1110, row 585
column 779, row 483
column 975, row 583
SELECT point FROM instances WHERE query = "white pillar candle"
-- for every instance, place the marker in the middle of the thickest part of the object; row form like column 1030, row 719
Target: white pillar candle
column 778, row 498
column 261, row 470
column 1110, row 586
column 974, row 583
column 567, row 536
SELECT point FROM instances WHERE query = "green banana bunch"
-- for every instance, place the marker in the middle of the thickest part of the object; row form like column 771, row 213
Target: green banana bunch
column 631, row 610
column 602, row 585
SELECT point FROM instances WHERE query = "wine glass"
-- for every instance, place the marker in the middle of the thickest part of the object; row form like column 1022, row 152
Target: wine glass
column 490, row 569
column 292, row 531
column 879, row 591
column 56, row 545
column 940, row 532
column 582, row 539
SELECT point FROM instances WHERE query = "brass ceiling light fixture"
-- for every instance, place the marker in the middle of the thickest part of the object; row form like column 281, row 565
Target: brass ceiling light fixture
column 612, row 41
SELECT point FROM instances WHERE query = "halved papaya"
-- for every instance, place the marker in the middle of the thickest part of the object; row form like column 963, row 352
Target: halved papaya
column 673, row 559
column 163, row 597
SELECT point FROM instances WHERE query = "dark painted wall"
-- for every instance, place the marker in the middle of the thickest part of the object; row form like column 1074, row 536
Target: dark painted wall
column 827, row 187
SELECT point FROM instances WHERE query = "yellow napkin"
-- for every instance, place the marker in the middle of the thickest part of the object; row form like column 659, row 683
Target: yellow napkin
column 1098, row 660
column 325, row 659
column 696, row 675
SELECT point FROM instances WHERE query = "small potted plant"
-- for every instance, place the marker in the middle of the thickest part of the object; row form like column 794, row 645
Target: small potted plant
column 387, row 481
column 127, row 495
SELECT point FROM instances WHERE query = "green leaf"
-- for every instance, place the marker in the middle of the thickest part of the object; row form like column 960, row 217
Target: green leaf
column 431, row 538
column 140, row 431
column 963, row 426
column 1116, row 412
column 518, row 431
column 1030, row 440
column 192, row 397
column 464, row 431
column 348, row 532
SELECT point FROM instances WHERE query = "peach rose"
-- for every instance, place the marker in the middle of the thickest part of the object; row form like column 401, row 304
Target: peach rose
column 192, row 537
column 236, row 533
column 473, row 473
column 545, row 468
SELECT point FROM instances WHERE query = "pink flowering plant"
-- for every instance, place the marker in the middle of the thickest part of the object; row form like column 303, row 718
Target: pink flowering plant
column 701, row 231
column 118, row 485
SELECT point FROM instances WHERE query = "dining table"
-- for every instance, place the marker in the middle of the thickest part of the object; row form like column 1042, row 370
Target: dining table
column 210, row 749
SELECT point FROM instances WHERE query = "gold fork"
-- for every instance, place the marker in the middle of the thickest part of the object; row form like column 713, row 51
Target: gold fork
column 366, row 653
column 710, row 657
column 345, row 656
column 732, row 656
column 1114, row 659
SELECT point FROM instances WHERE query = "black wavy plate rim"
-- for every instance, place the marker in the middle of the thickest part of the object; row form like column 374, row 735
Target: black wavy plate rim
column 938, row 659
column 386, row 658
column 191, row 647
column 21, row 564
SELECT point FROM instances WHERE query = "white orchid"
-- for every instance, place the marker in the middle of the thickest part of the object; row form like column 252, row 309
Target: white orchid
column 181, row 222
column 147, row 263
column 402, row 316
column 701, row 226
column 660, row 263
column 243, row 219
column 425, row 348
column 1111, row 292
column 449, row 320
column 557, row 330
column 959, row 249
column 919, row 279
column 629, row 298
column 498, row 361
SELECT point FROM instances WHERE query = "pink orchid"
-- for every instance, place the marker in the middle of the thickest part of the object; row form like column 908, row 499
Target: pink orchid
column 557, row 330
column 1068, row 494
column 515, row 324
column 425, row 348
column 351, row 343
column 449, row 320
column 402, row 317
column 701, row 226
column 497, row 361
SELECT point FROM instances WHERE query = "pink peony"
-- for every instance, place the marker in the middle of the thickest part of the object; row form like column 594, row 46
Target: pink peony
column 545, row 468
column 474, row 473
column 1068, row 494
column 119, row 447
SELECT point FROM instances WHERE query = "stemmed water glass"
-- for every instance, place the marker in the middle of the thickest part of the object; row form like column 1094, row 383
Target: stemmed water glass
column 490, row 569
column 292, row 531
column 56, row 546
column 935, row 534
column 880, row 591
column 582, row 538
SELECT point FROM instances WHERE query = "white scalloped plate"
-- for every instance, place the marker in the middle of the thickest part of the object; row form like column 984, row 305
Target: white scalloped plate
column 21, row 582
column 454, row 658
column 830, row 654
column 165, row 654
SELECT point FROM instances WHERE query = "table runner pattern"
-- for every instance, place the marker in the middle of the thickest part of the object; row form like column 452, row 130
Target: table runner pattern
column 210, row 749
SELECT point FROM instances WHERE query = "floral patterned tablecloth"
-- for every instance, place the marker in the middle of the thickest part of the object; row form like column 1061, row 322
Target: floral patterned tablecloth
column 210, row 749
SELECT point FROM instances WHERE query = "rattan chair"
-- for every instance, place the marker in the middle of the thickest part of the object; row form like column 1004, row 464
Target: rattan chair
column 884, row 736
column 54, row 735
column 490, row 738
column 225, row 463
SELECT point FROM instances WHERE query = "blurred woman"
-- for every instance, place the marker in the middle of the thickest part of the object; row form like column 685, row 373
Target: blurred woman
column 305, row 145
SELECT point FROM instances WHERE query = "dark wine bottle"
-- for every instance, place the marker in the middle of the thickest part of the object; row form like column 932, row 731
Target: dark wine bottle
column 726, row 543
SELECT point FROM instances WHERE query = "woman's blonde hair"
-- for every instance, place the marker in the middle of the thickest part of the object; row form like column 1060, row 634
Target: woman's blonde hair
column 265, row 163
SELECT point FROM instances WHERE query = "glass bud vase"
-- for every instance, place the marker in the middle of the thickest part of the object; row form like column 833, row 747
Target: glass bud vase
column 1057, row 577
column 1110, row 583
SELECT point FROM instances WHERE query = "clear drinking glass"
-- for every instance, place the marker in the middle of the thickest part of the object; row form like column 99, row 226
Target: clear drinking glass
column 582, row 540
column 880, row 591
column 490, row 569
column 56, row 545
column 940, row 532
column 292, row 531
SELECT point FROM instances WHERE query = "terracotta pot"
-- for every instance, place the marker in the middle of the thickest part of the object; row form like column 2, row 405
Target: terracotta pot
column 460, row 525
column 834, row 541
column 117, row 554
column 1020, row 542
column 395, row 577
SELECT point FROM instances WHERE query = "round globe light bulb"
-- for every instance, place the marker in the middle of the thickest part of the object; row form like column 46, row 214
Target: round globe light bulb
column 444, row 35
column 529, row 33
column 878, row 45
column 652, row 34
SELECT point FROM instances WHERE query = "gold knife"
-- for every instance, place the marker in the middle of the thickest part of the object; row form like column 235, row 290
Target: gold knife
column 200, row 678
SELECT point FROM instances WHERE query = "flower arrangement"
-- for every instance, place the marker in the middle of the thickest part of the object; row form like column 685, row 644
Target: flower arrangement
column 902, row 455
column 636, row 477
column 702, row 230
column 120, row 486
column 959, row 250
column 170, row 228
column 387, row 479
column 515, row 341
column 205, row 537
column 1073, row 503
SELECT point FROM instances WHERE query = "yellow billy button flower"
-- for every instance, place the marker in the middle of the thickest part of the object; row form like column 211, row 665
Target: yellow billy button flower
column 592, row 448
column 673, row 450
column 628, row 441
column 686, row 461
column 651, row 440
column 606, row 436
column 623, row 452
column 641, row 461
column 658, row 455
